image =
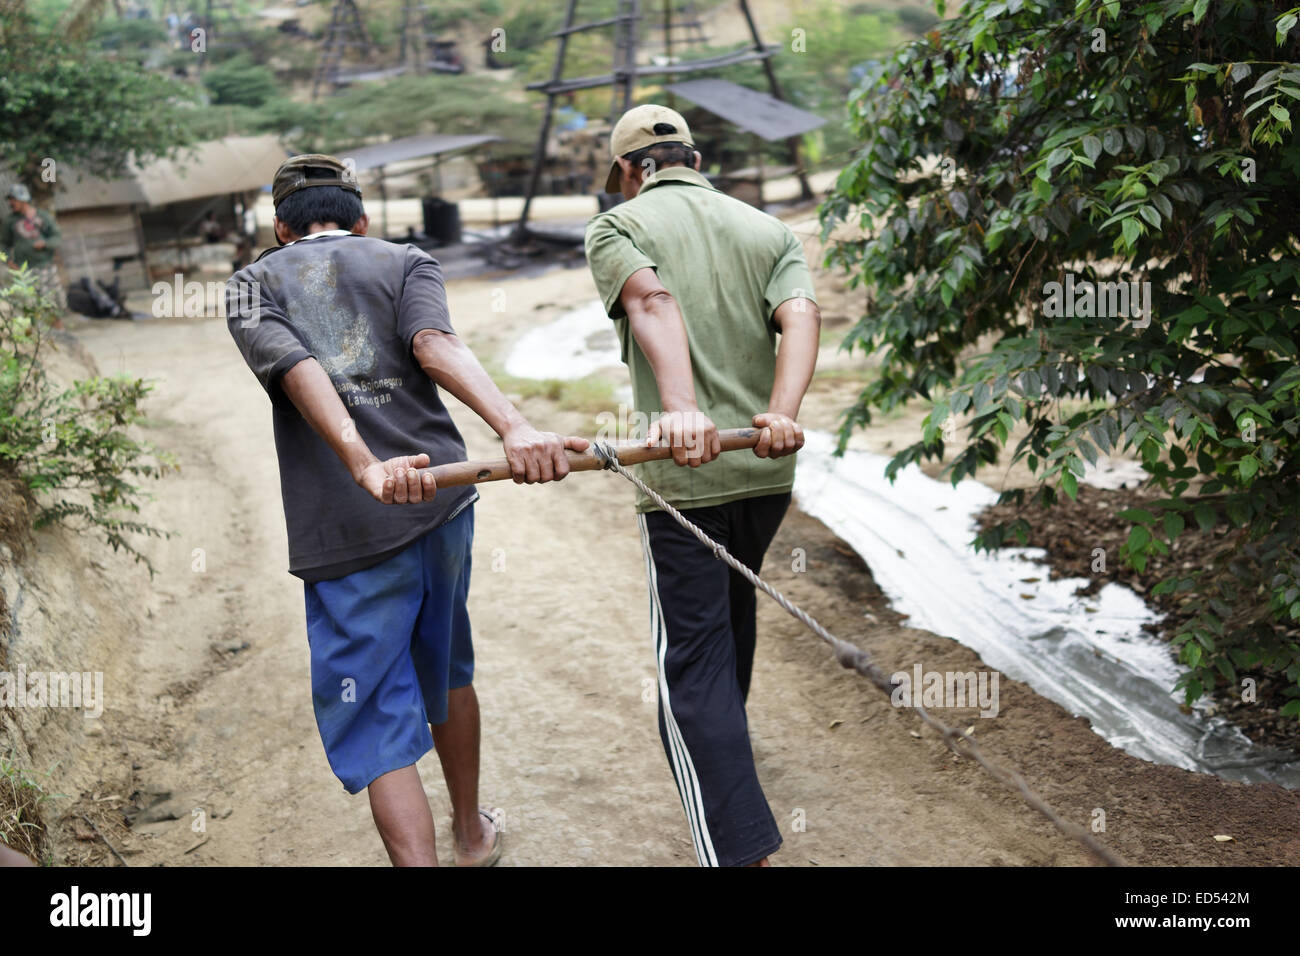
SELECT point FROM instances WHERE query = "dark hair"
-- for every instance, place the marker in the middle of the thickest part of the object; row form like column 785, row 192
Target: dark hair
column 663, row 154
column 319, row 204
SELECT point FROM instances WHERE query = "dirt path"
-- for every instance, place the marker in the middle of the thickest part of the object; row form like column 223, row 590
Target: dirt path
column 571, row 753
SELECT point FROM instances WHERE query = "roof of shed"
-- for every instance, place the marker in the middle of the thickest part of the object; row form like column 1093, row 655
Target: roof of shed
column 219, row 167
column 751, row 110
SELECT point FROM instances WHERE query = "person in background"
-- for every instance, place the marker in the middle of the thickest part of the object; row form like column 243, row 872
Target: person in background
column 210, row 229
column 30, row 236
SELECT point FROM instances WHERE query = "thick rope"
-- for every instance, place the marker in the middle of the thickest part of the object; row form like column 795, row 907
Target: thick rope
column 856, row 659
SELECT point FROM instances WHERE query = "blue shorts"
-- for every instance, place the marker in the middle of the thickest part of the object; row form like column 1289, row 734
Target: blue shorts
column 387, row 643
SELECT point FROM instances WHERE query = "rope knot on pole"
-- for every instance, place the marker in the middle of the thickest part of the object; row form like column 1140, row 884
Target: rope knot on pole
column 607, row 454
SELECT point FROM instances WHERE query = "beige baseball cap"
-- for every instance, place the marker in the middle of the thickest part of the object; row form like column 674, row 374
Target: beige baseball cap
column 640, row 127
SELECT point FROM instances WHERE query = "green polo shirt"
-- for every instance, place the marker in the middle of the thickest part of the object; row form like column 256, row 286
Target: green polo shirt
column 729, row 266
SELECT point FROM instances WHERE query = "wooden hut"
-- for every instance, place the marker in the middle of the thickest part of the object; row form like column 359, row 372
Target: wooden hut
column 141, row 225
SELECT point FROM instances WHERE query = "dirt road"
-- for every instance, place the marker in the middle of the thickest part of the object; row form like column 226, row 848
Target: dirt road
column 218, row 715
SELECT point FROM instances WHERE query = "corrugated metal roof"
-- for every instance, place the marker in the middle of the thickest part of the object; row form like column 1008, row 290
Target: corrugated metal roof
column 749, row 109
column 215, row 168
column 411, row 147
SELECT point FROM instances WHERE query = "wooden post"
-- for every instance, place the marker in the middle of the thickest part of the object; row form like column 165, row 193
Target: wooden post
column 139, row 238
column 671, row 102
column 629, row 85
column 805, row 191
column 539, row 152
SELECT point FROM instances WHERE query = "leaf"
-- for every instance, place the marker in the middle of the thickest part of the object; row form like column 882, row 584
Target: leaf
column 1284, row 26
column 1058, row 156
column 1155, row 143
column 1223, row 838
column 1070, row 484
column 1131, row 230
column 960, row 205
column 1112, row 141
column 1091, row 147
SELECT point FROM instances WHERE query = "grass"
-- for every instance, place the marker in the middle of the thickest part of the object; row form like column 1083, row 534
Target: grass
column 21, row 798
column 859, row 375
column 589, row 395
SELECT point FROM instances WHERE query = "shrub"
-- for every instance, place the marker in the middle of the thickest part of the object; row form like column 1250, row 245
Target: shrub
column 70, row 447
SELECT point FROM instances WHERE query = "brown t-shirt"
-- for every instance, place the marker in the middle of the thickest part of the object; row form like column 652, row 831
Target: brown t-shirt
column 354, row 304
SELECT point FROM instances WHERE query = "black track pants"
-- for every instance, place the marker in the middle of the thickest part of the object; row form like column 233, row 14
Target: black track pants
column 702, row 619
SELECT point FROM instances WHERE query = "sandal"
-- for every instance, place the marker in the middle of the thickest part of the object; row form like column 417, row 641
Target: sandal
column 493, row 854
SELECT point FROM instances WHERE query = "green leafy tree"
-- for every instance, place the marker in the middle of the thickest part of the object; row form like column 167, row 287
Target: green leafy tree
column 240, row 82
column 65, row 101
column 1030, row 142
column 127, row 35
column 408, row 105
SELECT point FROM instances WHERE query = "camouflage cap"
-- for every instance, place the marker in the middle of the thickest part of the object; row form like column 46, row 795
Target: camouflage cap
column 327, row 171
column 20, row 192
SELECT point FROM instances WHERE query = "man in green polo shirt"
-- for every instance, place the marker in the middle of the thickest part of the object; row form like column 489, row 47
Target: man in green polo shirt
column 699, row 285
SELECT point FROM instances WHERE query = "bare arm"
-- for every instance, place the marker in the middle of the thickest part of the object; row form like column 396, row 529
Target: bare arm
column 396, row 480
column 799, row 321
column 534, row 456
column 657, row 326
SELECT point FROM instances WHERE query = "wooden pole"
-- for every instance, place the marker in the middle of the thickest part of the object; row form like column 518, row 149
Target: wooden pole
column 671, row 101
column 539, row 152
column 629, row 89
column 629, row 453
column 805, row 190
